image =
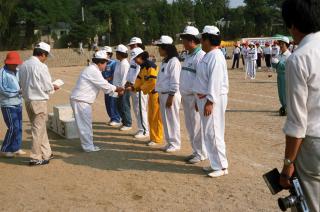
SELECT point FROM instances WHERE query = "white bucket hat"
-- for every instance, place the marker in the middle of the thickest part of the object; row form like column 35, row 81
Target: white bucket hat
column 135, row 40
column 122, row 48
column 101, row 54
column 164, row 39
column 212, row 30
column 135, row 52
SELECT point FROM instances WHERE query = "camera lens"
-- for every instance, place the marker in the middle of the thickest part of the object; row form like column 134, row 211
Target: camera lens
column 287, row 202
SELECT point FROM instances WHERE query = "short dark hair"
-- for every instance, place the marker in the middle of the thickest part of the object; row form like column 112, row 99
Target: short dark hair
column 99, row 60
column 171, row 51
column 302, row 14
column 190, row 38
column 215, row 40
column 123, row 55
column 144, row 56
column 110, row 54
column 39, row 52
column 140, row 45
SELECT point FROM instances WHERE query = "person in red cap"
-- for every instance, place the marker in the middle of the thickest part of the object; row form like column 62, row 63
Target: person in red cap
column 11, row 105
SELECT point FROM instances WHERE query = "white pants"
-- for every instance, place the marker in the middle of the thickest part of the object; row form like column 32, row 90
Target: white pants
column 212, row 130
column 251, row 68
column 171, row 120
column 83, row 115
column 140, row 105
column 193, row 122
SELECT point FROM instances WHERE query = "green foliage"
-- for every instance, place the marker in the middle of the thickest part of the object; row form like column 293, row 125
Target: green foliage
column 147, row 19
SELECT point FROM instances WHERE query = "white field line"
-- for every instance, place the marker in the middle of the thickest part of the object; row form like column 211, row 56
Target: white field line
column 259, row 95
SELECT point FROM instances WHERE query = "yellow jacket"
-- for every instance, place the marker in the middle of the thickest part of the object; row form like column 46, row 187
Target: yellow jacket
column 147, row 78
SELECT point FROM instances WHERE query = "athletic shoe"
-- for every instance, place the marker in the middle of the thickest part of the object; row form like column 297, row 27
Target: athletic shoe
column 125, row 128
column 8, row 154
column 194, row 160
column 141, row 135
column 165, row 147
column 34, row 162
column 207, row 169
column 114, row 124
column 95, row 149
column 20, row 152
column 152, row 143
column 189, row 158
column 171, row 149
column 218, row 173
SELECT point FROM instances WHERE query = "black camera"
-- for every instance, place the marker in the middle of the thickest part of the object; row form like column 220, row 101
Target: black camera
column 295, row 199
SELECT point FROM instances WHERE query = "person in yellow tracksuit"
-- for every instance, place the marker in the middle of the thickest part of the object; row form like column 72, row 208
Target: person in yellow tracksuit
column 146, row 82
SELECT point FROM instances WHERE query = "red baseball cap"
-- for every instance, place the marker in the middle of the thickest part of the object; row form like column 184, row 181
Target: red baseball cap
column 13, row 58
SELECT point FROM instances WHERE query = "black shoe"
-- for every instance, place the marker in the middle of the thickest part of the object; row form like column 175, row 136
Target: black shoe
column 282, row 111
column 38, row 162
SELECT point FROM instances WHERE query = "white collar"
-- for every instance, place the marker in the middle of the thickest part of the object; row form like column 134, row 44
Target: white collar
column 309, row 38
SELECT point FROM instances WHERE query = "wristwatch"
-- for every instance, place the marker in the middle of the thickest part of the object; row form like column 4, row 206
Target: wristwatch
column 287, row 162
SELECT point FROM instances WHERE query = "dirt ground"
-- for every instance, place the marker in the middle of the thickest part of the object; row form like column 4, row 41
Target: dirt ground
column 129, row 176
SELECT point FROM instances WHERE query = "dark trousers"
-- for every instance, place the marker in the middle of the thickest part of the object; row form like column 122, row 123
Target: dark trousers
column 236, row 58
column 242, row 58
column 111, row 107
column 268, row 60
column 124, row 109
column 259, row 60
column 13, row 118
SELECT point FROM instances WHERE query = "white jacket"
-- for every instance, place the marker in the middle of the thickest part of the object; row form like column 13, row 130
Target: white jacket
column 188, row 71
column 89, row 84
column 212, row 76
column 120, row 73
column 169, row 76
column 133, row 72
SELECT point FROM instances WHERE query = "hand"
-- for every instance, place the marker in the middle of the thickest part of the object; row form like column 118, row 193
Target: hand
column 286, row 174
column 129, row 88
column 208, row 108
column 196, row 107
column 20, row 92
column 275, row 60
column 169, row 101
column 128, row 84
column 120, row 91
column 55, row 87
column 109, row 79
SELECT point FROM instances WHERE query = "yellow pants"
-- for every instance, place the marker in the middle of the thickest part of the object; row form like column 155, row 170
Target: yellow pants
column 154, row 118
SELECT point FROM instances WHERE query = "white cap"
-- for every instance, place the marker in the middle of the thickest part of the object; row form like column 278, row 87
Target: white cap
column 135, row 52
column 164, row 39
column 251, row 44
column 122, row 48
column 44, row 46
column 101, row 54
column 190, row 30
column 135, row 40
column 212, row 30
column 108, row 49
column 284, row 39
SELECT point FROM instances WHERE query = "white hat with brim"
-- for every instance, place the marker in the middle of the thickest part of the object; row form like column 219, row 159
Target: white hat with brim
column 122, row 48
column 135, row 40
column 136, row 52
column 164, row 39
column 190, row 30
column 212, row 30
column 284, row 39
column 108, row 49
column 45, row 47
column 101, row 54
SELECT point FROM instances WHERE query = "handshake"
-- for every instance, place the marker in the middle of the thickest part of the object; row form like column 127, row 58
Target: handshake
column 120, row 91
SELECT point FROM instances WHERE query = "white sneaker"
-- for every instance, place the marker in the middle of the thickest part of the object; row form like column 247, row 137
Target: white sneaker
column 152, row 143
column 141, row 135
column 20, row 152
column 171, row 149
column 114, row 124
column 95, row 149
column 194, row 160
column 207, row 169
column 218, row 173
column 8, row 154
column 125, row 128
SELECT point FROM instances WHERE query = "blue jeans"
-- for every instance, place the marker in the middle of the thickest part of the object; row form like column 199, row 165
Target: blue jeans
column 123, row 103
column 13, row 118
column 111, row 107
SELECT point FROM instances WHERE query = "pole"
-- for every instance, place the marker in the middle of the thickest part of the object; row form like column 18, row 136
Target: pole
column 82, row 13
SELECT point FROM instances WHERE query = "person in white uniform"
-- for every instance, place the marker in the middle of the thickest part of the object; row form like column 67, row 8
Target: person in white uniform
column 211, row 89
column 190, row 39
column 84, row 94
column 169, row 96
column 252, row 57
column 139, row 100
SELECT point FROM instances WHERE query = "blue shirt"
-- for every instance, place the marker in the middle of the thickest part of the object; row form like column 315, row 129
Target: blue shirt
column 9, row 88
column 109, row 71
